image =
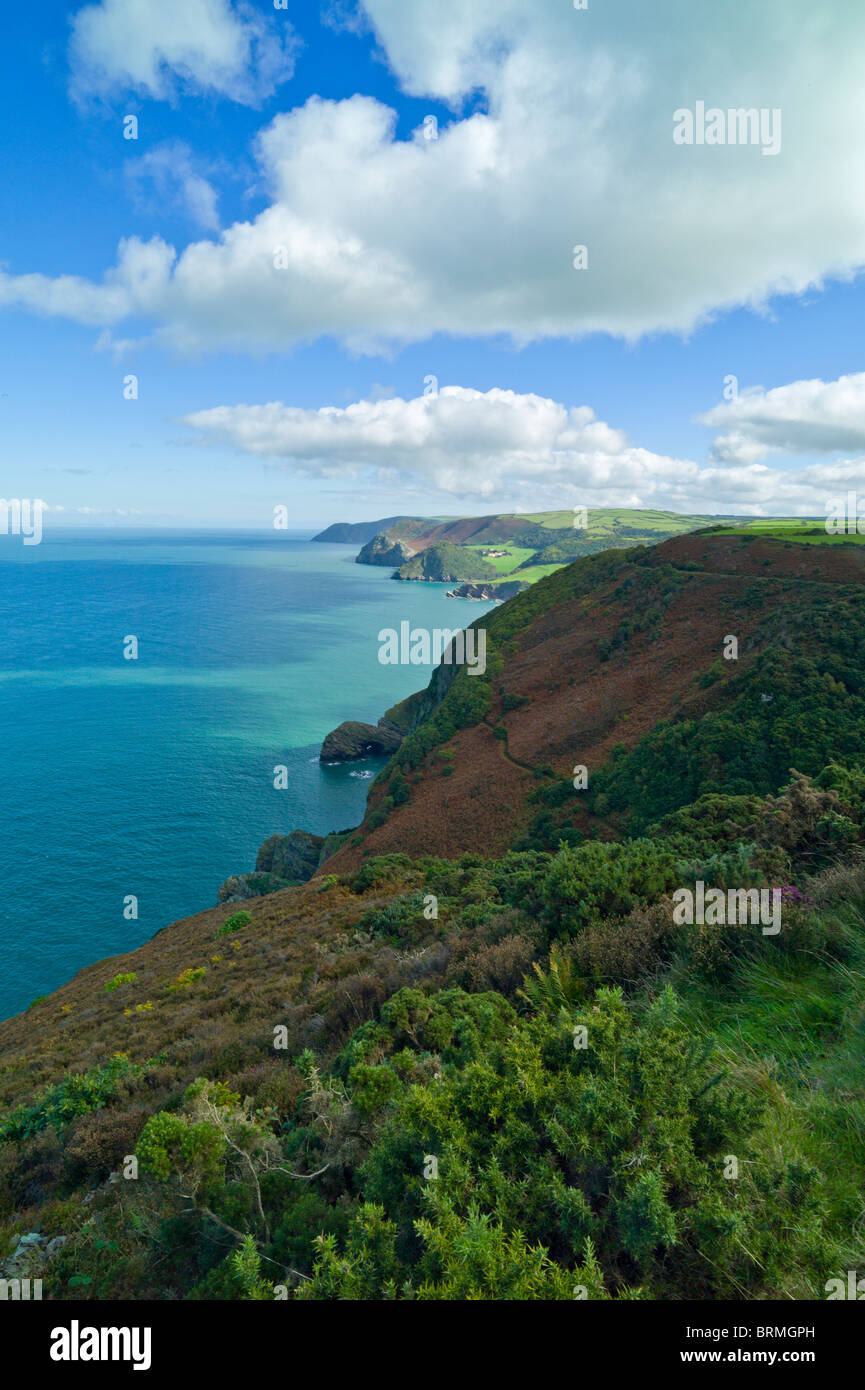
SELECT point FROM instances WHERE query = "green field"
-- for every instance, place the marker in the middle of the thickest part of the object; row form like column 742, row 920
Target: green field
column 605, row 521
column 534, row 572
column 505, row 564
column 804, row 530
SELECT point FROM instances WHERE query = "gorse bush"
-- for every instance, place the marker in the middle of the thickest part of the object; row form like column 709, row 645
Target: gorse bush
column 77, row 1095
column 235, row 922
column 401, row 918
column 545, row 1151
column 518, row 1099
column 597, row 879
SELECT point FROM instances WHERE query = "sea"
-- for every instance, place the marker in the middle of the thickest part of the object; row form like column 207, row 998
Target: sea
column 151, row 776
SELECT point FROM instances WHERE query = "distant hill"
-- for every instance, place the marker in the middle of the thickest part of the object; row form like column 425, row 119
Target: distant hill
column 359, row 532
column 447, row 564
column 597, row 657
column 534, row 543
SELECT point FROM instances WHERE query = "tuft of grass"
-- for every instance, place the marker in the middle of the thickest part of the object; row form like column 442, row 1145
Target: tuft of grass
column 127, row 979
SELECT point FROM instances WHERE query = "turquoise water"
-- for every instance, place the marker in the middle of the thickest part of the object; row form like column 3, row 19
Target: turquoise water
column 154, row 777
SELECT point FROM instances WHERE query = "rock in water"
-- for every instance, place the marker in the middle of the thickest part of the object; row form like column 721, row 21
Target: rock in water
column 494, row 592
column 356, row 740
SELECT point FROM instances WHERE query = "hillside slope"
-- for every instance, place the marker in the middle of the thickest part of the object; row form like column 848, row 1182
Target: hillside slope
column 443, row 563
column 546, row 538
column 591, row 660
column 259, row 1101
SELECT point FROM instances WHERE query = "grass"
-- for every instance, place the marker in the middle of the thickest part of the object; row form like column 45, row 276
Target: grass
column 505, row 564
column 804, row 530
column 603, row 521
column 792, row 1032
column 535, row 572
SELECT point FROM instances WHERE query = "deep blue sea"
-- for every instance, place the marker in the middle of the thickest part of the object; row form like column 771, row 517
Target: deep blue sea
column 154, row 777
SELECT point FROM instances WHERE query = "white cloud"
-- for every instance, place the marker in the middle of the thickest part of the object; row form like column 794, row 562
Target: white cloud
column 804, row 417
column 169, row 173
column 91, row 511
column 390, row 240
column 500, row 445
column 157, row 47
column 139, row 278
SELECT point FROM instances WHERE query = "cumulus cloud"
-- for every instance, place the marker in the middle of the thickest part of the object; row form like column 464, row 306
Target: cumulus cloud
column 501, row 444
column 568, row 142
column 378, row 240
column 160, row 47
column 804, row 417
column 139, row 278
column 169, row 173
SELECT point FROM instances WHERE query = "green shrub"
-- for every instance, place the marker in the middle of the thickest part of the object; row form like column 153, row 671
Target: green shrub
column 235, row 922
column 513, row 701
column 596, row 879
column 77, row 1095
column 556, row 1165
column 127, row 979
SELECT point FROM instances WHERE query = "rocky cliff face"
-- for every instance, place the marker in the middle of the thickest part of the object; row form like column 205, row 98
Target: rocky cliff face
column 283, row 861
column 295, row 856
column 384, row 550
column 444, row 563
column 490, row 592
column 354, row 739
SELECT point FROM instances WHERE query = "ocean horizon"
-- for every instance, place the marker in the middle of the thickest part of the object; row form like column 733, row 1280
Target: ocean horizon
column 154, row 777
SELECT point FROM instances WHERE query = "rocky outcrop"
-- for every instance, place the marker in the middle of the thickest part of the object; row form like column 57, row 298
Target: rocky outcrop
column 240, row 887
column 384, row 550
column 444, row 563
column 29, row 1258
column 489, row 592
column 353, row 740
column 293, row 857
column 284, row 861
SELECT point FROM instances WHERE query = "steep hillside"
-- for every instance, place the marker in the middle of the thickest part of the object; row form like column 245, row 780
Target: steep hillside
column 547, row 538
column 358, row 532
column 592, row 659
column 443, row 563
column 505, row 1073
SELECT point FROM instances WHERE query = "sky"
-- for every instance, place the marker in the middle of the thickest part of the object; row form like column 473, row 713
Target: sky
column 326, row 257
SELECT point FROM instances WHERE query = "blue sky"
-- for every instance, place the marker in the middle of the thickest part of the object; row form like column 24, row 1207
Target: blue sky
column 412, row 258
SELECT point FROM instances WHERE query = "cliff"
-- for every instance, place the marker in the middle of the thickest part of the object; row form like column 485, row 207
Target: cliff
column 494, row 592
column 443, row 563
column 281, row 1074
column 587, row 663
column 383, row 550
column 359, row 532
